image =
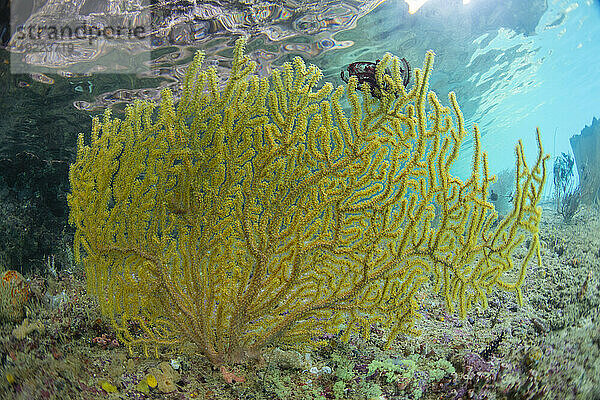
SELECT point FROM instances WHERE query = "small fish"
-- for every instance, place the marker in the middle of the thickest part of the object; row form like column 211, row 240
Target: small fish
column 493, row 196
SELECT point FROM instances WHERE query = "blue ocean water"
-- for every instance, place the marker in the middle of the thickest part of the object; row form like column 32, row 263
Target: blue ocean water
column 527, row 71
column 559, row 91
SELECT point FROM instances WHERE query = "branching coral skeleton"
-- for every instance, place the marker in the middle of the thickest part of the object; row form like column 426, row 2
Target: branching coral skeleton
column 271, row 210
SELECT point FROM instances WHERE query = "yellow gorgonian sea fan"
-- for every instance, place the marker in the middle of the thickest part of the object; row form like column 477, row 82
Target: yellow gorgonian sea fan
column 272, row 210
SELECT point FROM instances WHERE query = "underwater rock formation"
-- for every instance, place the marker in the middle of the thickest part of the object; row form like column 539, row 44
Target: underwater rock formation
column 586, row 149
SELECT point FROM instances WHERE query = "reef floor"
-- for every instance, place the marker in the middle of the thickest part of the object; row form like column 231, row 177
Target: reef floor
column 547, row 349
